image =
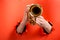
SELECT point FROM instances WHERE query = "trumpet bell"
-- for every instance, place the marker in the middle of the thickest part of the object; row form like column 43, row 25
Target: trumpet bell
column 36, row 10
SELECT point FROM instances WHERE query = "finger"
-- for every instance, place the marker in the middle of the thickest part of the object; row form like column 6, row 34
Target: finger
column 37, row 22
column 32, row 4
column 40, row 20
column 31, row 15
column 28, row 7
column 40, row 17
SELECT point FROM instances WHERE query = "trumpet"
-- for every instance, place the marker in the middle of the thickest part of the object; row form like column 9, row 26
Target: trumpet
column 35, row 10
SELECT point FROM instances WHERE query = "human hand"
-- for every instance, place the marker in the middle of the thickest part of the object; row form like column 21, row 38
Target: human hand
column 43, row 23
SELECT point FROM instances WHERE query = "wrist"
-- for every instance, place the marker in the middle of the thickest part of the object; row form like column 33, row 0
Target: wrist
column 47, row 27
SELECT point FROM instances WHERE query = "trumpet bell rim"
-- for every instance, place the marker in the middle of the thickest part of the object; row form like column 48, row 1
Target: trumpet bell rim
column 33, row 6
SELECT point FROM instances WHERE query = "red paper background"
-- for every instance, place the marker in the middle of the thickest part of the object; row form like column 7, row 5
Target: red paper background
column 11, row 11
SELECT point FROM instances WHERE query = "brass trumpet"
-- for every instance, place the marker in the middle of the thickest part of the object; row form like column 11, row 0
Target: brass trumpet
column 35, row 10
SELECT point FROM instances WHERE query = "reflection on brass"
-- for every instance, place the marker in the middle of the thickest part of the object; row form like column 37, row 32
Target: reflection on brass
column 35, row 10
